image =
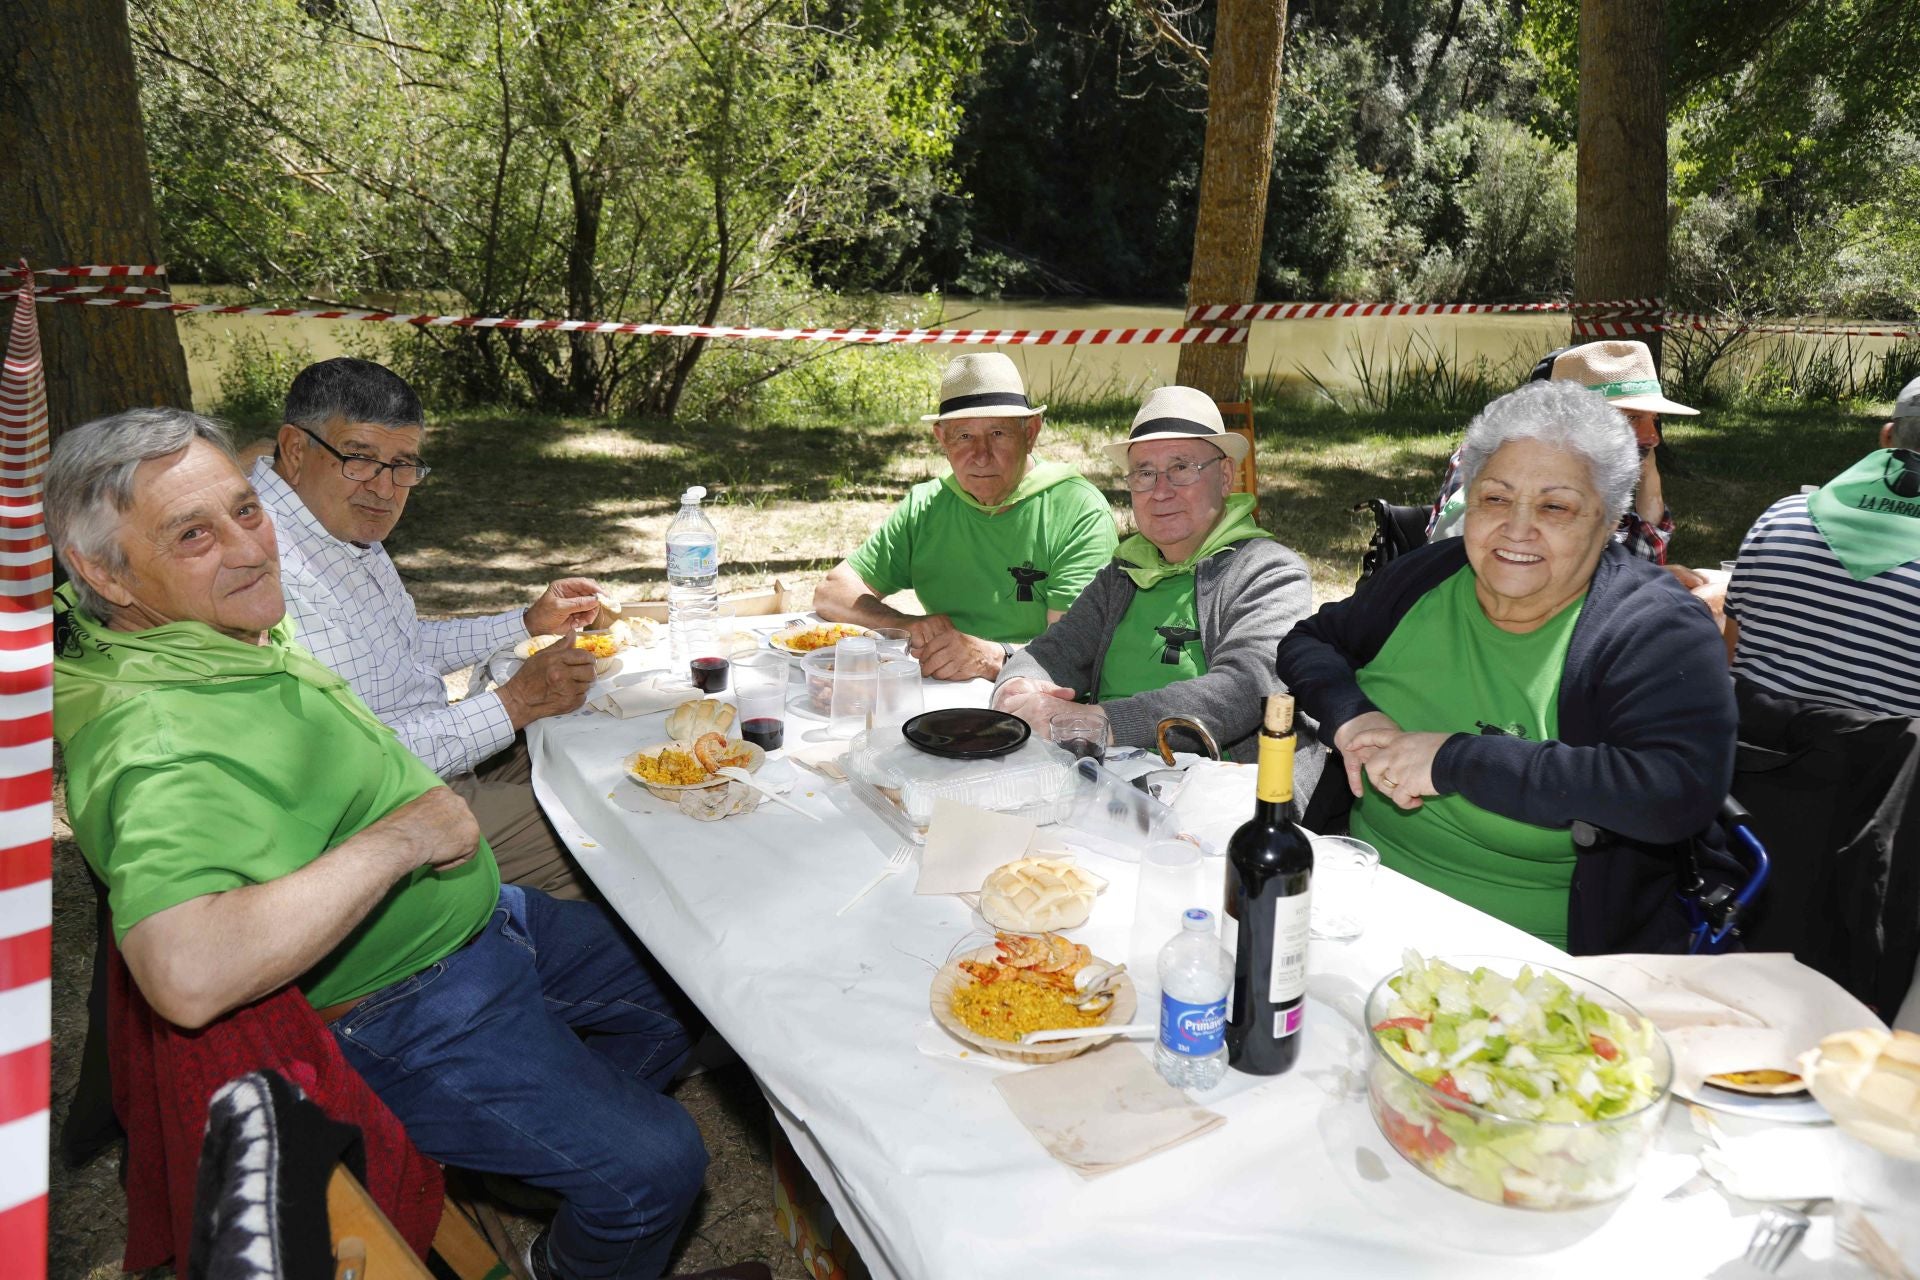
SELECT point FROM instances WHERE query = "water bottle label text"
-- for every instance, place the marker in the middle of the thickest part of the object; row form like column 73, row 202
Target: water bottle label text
column 1192, row 1030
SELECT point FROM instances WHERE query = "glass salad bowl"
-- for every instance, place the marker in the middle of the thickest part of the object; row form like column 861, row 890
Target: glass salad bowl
column 1515, row 1083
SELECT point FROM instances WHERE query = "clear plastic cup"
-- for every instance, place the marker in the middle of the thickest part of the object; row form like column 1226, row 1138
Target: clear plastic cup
column 856, row 670
column 898, row 693
column 1342, row 886
column 760, row 691
column 1169, row 883
column 892, row 640
column 1084, row 733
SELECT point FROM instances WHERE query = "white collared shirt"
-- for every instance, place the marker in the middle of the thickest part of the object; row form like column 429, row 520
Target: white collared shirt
column 351, row 612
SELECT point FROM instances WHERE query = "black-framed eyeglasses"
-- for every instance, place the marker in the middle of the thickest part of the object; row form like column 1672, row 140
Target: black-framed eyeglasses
column 361, row 469
column 1179, row 475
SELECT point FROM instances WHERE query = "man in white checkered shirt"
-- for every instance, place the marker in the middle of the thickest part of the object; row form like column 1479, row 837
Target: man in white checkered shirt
column 347, row 418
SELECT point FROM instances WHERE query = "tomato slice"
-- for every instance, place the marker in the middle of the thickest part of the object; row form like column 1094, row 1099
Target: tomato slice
column 1411, row 1024
column 1417, row 1142
column 1447, row 1085
column 1603, row 1046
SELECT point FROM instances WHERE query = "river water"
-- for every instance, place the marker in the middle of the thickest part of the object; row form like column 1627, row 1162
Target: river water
column 1339, row 354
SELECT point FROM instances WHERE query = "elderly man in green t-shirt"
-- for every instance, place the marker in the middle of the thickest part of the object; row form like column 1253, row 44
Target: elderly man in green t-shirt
column 258, row 827
column 996, row 549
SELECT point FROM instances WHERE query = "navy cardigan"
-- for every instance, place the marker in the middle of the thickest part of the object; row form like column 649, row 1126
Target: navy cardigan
column 1647, row 727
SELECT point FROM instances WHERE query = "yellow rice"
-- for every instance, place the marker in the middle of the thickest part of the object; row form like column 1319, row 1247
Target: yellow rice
column 672, row 767
column 1006, row 1010
column 599, row 646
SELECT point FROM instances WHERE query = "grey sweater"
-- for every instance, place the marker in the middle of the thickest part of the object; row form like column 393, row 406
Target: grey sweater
column 1247, row 597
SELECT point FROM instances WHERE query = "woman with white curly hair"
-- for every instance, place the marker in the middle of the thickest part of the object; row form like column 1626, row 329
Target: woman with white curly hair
column 1531, row 720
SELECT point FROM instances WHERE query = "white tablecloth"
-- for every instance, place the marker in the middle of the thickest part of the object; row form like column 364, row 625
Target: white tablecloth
column 927, row 1168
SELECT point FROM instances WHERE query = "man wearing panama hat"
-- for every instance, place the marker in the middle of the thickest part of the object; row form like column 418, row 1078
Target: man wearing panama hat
column 1185, row 620
column 1623, row 372
column 996, row 549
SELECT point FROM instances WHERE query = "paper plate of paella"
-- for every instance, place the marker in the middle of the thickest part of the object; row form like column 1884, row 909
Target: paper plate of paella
column 991, row 996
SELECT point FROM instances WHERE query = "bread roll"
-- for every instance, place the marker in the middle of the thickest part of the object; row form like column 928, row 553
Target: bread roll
column 1038, row 895
column 1869, row 1082
column 689, row 720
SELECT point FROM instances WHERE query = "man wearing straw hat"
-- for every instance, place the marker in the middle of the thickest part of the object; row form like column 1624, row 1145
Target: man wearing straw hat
column 1185, row 620
column 1623, row 372
column 996, row 549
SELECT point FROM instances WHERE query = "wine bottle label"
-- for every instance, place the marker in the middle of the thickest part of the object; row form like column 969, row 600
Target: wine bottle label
column 1192, row 1030
column 1274, row 782
column 1287, row 1021
column 1289, row 974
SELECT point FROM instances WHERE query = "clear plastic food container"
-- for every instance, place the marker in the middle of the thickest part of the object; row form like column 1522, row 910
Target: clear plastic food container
column 900, row 782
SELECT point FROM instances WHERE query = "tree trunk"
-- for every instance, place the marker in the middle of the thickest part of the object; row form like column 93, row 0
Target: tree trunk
column 73, row 189
column 1620, row 223
column 583, row 254
column 1243, row 93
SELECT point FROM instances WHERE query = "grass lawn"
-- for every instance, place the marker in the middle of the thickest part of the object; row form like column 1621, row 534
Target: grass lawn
column 517, row 500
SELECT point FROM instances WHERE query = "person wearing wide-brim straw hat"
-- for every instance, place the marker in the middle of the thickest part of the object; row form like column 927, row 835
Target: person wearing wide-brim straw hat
column 1186, row 619
column 996, row 549
column 1623, row 372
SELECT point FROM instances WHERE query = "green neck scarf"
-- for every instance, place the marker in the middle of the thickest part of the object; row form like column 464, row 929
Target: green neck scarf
column 1869, row 525
column 1142, row 561
column 1040, row 477
column 98, row 668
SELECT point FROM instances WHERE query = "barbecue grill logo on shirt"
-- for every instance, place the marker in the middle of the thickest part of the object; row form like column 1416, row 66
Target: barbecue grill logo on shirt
column 1174, row 639
column 1024, row 577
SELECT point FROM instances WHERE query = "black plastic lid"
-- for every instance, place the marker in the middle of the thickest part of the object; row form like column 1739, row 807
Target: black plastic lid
column 966, row 733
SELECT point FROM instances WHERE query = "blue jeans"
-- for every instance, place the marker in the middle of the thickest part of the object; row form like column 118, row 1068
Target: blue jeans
column 539, row 1050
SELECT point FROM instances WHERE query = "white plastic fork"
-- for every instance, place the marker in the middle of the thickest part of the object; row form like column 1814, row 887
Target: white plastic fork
column 1081, row 1033
column 746, row 779
column 896, row 863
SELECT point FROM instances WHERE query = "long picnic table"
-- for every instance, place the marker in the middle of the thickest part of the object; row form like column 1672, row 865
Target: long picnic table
column 925, row 1166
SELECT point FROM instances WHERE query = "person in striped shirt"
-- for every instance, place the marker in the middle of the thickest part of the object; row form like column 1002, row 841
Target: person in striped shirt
column 1824, row 605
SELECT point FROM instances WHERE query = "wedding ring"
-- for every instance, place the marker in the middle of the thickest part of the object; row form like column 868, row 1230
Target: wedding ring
column 1389, row 781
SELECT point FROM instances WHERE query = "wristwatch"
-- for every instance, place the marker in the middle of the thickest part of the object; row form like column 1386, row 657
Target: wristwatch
column 1006, row 651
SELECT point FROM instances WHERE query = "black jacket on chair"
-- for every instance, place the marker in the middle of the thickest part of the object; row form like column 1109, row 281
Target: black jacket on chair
column 1645, row 751
column 1831, row 791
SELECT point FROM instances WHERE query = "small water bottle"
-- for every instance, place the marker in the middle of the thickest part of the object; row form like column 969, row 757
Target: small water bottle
column 1194, row 975
column 693, row 578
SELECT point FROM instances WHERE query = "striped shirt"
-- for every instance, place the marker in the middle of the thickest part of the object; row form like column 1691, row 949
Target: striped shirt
column 350, row 611
column 1810, row 630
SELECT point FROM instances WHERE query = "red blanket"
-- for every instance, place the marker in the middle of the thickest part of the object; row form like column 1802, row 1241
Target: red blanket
column 163, row 1077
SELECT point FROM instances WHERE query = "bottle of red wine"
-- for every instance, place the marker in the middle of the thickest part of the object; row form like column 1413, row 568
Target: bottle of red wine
column 1269, row 879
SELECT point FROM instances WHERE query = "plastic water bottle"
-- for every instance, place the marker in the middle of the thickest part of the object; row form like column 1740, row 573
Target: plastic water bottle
column 693, row 577
column 1194, row 974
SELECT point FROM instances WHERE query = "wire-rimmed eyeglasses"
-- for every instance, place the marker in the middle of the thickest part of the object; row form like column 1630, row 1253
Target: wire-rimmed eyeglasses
column 1179, row 475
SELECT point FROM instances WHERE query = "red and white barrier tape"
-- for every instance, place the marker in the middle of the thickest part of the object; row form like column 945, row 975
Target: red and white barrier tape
column 67, row 290
column 26, row 800
column 1221, row 323
column 934, row 337
column 1246, row 313
column 88, row 269
column 1866, row 329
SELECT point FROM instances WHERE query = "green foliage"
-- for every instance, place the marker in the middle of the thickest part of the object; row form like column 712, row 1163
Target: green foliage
column 672, row 161
column 1751, row 370
column 254, row 376
column 1422, row 377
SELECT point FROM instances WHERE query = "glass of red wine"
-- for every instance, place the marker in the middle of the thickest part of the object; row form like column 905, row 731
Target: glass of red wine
column 760, row 689
column 710, row 674
column 1084, row 733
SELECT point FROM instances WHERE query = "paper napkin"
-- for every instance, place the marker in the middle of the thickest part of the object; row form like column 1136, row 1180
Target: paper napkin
column 1104, row 1110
